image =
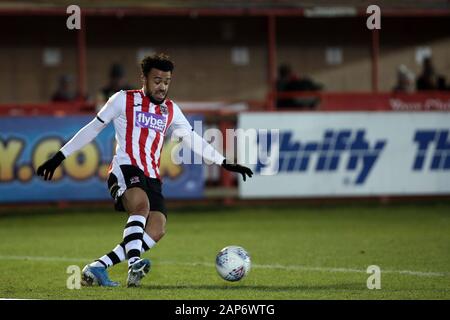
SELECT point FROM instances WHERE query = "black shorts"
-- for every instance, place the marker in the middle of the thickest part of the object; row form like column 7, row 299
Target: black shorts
column 133, row 177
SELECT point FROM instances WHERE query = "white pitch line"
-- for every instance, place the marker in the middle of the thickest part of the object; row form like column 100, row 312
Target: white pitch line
column 15, row 299
column 319, row 269
column 256, row 266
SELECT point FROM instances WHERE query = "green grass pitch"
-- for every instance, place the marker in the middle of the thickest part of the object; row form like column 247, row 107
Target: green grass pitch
column 302, row 252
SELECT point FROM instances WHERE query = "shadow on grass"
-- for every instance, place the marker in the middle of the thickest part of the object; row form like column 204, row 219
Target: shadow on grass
column 262, row 288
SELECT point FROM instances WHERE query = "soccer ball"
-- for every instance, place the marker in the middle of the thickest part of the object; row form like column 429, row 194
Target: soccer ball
column 233, row 263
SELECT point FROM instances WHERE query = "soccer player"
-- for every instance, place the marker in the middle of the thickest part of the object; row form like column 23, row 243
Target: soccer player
column 141, row 120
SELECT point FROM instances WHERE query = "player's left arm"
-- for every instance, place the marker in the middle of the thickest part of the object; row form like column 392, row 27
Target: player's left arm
column 82, row 138
column 183, row 130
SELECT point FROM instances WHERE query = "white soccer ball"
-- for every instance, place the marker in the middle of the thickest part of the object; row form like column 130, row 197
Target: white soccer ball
column 233, row 263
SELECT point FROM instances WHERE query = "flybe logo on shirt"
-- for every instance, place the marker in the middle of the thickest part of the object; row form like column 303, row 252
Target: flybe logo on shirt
column 150, row 121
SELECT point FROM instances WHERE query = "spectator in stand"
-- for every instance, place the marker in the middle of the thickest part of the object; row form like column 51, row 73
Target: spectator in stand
column 288, row 81
column 116, row 83
column 63, row 92
column 405, row 80
column 429, row 79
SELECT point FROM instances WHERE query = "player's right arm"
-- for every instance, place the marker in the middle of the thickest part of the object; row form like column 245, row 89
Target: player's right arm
column 183, row 130
column 86, row 134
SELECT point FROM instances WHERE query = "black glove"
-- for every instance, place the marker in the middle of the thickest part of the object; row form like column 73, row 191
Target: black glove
column 47, row 169
column 237, row 168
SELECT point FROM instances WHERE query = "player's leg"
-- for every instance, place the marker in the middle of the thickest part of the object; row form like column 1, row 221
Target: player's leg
column 136, row 203
column 141, row 267
column 156, row 226
column 156, row 223
column 156, row 219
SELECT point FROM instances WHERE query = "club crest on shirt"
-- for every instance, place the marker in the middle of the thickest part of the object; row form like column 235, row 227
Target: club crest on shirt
column 163, row 109
column 134, row 179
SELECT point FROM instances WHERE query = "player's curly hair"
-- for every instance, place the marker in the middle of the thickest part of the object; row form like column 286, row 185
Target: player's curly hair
column 160, row 61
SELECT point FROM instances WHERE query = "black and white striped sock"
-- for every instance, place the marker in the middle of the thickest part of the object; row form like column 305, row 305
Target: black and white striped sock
column 132, row 237
column 148, row 242
column 118, row 254
column 114, row 257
